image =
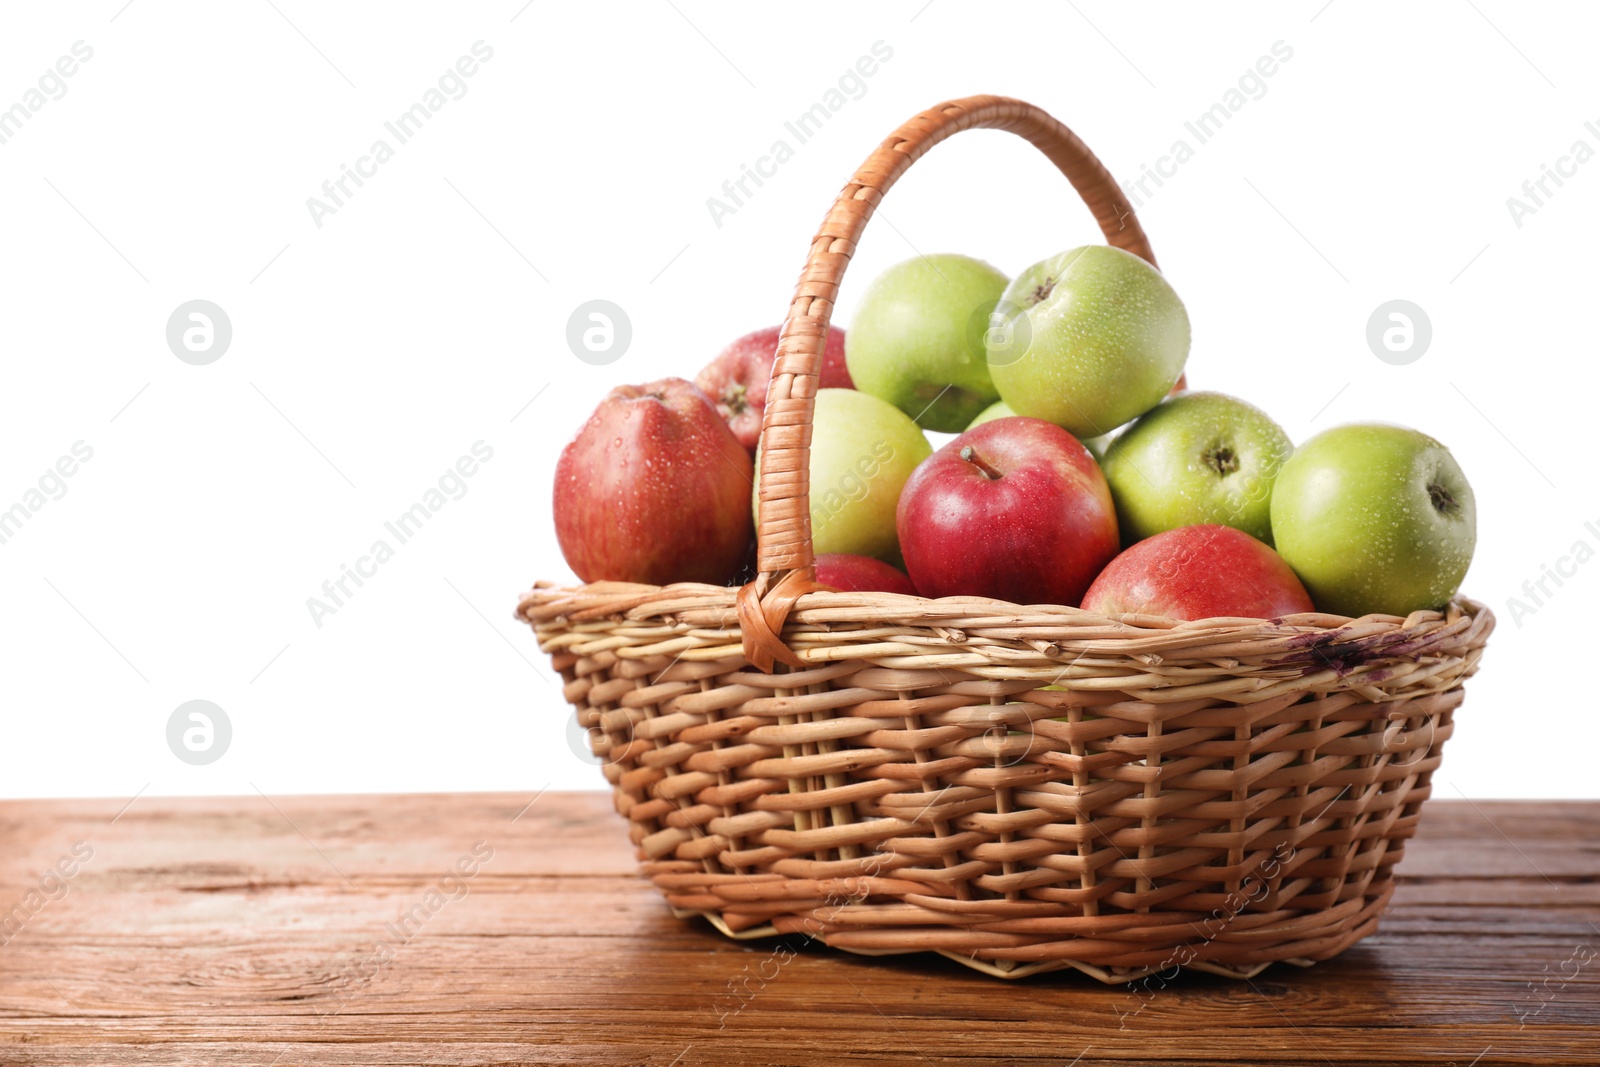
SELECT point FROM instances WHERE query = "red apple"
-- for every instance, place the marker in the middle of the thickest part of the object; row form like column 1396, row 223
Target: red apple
column 654, row 489
column 861, row 574
column 747, row 564
column 1199, row 572
column 1014, row 509
column 737, row 379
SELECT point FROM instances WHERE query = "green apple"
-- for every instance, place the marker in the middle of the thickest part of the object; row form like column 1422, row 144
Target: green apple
column 862, row 451
column 1196, row 459
column 1088, row 340
column 1001, row 410
column 1375, row 518
column 998, row 410
column 916, row 339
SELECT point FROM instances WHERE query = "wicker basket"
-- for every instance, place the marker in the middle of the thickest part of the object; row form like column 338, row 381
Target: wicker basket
column 1020, row 788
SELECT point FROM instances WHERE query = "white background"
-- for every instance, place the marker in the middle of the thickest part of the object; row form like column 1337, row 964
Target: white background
column 425, row 315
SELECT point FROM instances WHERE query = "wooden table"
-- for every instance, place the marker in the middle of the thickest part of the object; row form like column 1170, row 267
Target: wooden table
column 484, row 928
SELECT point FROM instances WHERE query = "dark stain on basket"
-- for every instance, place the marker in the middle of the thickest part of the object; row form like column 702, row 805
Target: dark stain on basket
column 1322, row 650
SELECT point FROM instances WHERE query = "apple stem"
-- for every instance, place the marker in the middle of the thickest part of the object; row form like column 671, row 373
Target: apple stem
column 1442, row 499
column 1222, row 459
column 969, row 454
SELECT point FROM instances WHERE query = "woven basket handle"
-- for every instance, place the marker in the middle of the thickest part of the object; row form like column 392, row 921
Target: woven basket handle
column 784, row 558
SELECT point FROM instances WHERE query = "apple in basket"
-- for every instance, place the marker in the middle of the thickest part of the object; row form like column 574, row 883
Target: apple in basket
column 861, row 574
column 654, row 488
column 998, row 410
column 1015, row 509
column 1192, row 459
column 1375, row 518
column 1001, row 410
column 736, row 380
column 1096, row 445
column 917, row 339
column 1198, row 572
column 1087, row 339
column 862, row 451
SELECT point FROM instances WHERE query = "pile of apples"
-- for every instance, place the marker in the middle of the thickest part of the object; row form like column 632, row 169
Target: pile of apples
column 1082, row 472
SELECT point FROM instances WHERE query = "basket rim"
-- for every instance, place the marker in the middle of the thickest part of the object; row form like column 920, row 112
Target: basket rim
column 1382, row 658
column 632, row 599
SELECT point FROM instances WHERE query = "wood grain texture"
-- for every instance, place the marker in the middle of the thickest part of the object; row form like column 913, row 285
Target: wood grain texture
column 257, row 931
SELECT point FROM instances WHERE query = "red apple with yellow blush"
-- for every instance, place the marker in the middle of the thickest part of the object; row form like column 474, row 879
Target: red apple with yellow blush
column 654, row 489
column 1198, row 572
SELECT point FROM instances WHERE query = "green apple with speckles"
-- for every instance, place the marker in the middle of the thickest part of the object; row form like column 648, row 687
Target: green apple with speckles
column 917, row 339
column 862, row 451
column 1193, row 460
column 1088, row 340
column 1375, row 518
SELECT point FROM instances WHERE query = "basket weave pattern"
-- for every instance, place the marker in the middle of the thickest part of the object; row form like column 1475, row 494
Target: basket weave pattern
column 1022, row 788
